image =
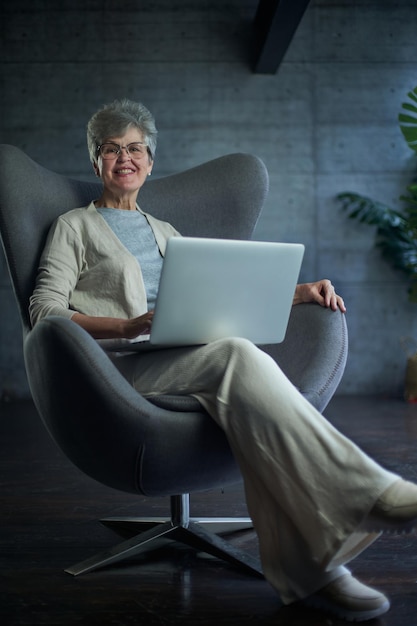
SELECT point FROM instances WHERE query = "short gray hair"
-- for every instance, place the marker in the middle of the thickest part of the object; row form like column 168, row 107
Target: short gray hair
column 114, row 119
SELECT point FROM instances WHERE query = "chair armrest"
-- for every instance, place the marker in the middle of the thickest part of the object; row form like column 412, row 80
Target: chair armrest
column 314, row 352
column 111, row 432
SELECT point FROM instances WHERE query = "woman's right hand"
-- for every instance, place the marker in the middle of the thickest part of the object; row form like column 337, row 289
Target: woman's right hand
column 114, row 328
column 138, row 325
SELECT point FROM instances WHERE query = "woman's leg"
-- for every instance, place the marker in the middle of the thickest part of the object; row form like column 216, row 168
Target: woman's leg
column 308, row 487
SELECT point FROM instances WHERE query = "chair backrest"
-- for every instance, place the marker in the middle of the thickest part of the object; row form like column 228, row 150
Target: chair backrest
column 221, row 198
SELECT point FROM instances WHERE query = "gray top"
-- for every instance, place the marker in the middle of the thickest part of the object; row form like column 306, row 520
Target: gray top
column 134, row 232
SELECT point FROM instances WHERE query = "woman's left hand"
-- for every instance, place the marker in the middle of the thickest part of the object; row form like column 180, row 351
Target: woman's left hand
column 321, row 292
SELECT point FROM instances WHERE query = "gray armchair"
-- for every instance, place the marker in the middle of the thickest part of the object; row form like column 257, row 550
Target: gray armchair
column 168, row 446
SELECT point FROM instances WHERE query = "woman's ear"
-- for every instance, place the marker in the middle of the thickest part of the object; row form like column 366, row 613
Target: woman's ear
column 96, row 169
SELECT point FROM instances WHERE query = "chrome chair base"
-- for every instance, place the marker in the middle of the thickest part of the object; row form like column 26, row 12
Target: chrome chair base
column 146, row 534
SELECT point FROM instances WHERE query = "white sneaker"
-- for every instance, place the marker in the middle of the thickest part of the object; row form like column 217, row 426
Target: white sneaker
column 395, row 511
column 348, row 598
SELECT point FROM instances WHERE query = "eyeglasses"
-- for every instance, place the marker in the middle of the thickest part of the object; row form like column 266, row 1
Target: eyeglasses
column 111, row 151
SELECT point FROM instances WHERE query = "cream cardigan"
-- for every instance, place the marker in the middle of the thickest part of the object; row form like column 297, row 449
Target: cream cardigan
column 85, row 268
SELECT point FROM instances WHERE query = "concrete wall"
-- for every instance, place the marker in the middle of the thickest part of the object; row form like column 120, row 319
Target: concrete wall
column 325, row 123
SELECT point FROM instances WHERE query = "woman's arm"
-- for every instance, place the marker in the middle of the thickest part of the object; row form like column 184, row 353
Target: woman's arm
column 113, row 327
column 58, row 272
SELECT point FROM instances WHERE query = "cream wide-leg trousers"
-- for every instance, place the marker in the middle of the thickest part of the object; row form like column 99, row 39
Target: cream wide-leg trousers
column 307, row 486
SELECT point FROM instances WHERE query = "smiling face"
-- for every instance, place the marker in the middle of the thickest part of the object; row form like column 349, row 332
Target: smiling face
column 124, row 176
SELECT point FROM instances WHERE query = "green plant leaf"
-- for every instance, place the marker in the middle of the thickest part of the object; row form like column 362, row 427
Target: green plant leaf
column 407, row 119
column 410, row 135
column 413, row 94
column 408, row 123
column 396, row 238
column 370, row 211
column 409, row 107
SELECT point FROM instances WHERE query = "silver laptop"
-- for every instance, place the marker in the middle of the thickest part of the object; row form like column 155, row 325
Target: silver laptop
column 216, row 288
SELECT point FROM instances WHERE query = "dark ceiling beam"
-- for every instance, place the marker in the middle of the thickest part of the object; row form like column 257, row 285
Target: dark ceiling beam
column 275, row 24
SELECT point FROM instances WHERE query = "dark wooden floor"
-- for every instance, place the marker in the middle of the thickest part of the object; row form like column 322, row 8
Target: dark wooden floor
column 49, row 514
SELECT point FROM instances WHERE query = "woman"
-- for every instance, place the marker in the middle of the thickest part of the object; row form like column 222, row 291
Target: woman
column 101, row 267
